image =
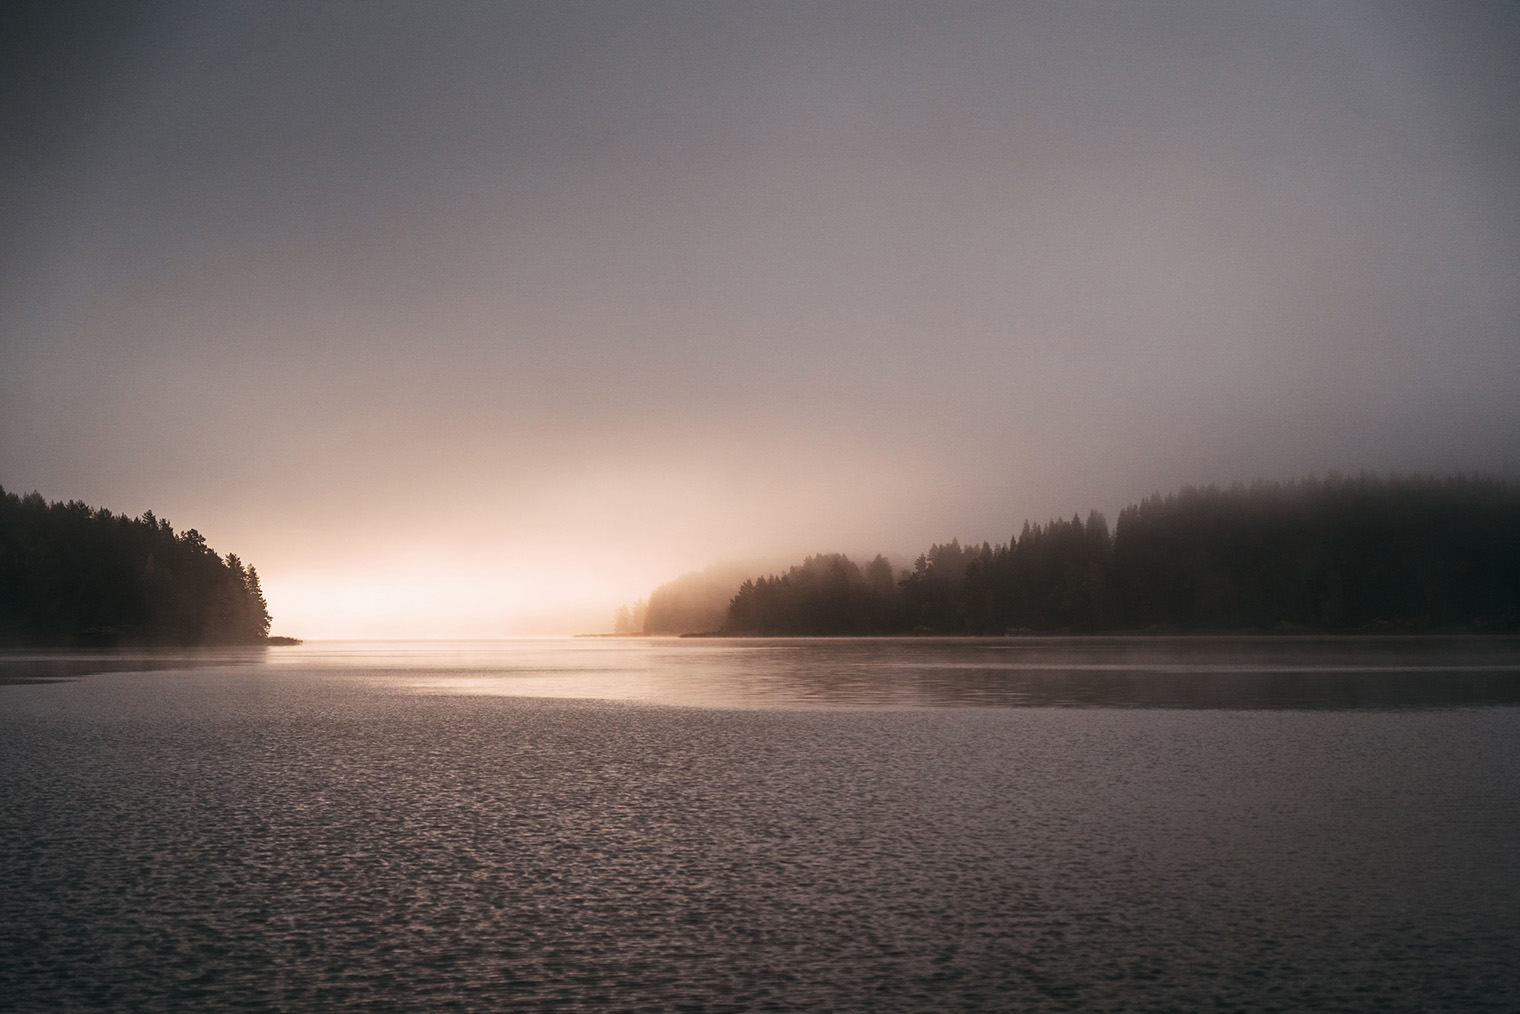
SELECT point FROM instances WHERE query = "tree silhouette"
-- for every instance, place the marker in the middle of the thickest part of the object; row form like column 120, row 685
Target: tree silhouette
column 1333, row 554
column 70, row 573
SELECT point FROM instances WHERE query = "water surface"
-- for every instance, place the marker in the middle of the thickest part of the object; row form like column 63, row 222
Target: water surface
column 708, row 825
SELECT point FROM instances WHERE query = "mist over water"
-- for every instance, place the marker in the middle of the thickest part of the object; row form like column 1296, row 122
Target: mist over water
column 859, row 825
column 480, row 320
column 1157, row 672
column 476, row 320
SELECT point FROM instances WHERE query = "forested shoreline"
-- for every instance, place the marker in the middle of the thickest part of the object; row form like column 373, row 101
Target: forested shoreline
column 73, row 574
column 1364, row 554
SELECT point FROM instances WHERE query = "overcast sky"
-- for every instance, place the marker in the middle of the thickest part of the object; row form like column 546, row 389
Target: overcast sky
column 484, row 318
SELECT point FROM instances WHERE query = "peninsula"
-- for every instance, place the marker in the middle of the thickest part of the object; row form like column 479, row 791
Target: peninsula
column 1334, row 555
column 73, row 574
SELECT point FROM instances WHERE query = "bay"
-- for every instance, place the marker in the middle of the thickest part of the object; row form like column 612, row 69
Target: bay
column 1066, row 824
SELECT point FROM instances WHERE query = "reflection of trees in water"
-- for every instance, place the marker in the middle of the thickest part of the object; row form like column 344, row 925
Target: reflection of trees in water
column 1304, row 673
column 1333, row 554
column 50, row 666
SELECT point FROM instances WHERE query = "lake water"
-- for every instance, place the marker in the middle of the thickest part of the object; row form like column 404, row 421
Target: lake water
column 706, row 825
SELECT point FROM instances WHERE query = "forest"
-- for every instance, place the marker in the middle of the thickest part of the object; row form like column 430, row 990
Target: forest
column 1365, row 554
column 73, row 574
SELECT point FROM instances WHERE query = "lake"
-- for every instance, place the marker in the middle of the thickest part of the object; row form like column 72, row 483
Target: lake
column 715, row 825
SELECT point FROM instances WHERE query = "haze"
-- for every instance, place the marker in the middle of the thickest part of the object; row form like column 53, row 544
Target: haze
column 464, row 319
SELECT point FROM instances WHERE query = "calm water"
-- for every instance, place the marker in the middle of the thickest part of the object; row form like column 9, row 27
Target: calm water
column 715, row 825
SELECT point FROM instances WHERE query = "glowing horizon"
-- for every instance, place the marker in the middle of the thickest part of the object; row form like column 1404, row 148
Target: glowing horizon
column 478, row 319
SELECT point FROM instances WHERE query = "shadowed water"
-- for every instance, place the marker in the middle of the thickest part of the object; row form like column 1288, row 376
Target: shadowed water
column 712, row 825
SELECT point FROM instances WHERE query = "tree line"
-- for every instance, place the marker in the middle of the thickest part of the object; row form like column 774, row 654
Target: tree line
column 697, row 601
column 71, row 574
column 1332, row 554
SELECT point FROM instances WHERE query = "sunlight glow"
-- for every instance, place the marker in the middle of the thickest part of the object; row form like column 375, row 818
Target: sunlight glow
column 437, row 602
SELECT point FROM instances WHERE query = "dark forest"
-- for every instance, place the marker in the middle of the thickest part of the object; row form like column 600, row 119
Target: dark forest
column 1338, row 554
column 72, row 574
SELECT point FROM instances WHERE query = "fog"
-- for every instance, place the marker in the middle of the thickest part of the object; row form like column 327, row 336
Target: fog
column 463, row 319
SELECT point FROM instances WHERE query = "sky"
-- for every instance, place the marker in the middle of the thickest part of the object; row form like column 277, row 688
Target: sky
column 476, row 319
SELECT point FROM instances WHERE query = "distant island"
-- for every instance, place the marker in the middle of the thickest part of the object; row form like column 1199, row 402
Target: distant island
column 1332, row 555
column 72, row 574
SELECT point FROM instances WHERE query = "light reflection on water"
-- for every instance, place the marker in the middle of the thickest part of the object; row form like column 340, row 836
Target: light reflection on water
column 1157, row 672
column 1200, row 672
column 1235, row 824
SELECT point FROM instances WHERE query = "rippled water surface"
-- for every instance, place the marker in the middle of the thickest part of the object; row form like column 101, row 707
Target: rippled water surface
column 1274, row 824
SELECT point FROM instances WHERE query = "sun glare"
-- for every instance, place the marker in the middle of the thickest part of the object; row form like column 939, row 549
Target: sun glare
column 440, row 600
